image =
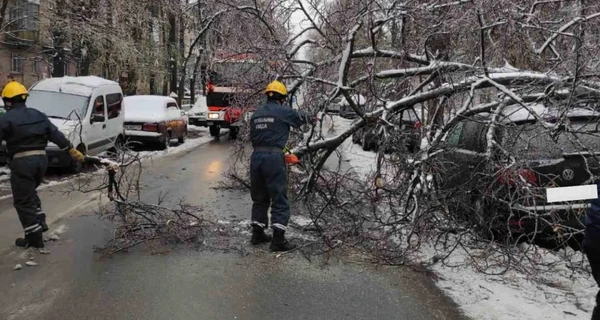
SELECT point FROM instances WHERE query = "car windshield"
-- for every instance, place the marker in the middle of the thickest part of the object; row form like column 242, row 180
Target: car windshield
column 58, row 105
column 531, row 141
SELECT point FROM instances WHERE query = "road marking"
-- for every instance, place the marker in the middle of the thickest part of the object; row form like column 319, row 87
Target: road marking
column 563, row 194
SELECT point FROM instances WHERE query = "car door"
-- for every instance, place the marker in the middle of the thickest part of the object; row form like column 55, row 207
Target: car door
column 114, row 121
column 463, row 160
column 97, row 126
column 175, row 120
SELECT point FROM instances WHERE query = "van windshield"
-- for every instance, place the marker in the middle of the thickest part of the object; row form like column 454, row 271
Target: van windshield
column 59, row 105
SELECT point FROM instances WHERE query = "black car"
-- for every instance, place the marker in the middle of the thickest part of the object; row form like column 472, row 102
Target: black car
column 409, row 122
column 507, row 195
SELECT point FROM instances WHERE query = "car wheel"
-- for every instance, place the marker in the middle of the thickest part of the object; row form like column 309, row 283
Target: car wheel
column 215, row 131
column 166, row 143
column 233, row 133
column 115, row 151
column 181, row 139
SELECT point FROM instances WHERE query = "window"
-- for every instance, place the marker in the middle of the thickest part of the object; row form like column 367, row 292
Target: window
column 35, row 67
column 172, row 105
column 115, row 104
column 24, row 18
column 99, row 107
column 454, row 135
column 17, row 63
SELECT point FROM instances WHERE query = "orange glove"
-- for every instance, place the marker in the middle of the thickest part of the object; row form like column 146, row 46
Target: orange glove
column 291, row 159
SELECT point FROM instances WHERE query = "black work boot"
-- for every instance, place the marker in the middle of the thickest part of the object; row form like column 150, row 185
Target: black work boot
column 280, row 243
column 259, row 236
column 43, row 221
column 33, row 239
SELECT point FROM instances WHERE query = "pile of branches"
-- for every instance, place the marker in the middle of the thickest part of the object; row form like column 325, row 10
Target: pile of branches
column 461, row 64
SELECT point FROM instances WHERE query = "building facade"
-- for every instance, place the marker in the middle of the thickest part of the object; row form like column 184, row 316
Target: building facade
column 24, row 55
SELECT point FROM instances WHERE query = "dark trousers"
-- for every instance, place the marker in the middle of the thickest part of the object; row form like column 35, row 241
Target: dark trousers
column 26, row 174
column 268, row 179
column 592, row 251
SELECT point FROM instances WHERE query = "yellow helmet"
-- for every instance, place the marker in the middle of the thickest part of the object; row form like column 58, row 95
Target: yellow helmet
column 276, row 87
column 13, row 89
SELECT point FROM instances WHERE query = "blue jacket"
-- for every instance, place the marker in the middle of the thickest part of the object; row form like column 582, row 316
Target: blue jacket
column 270, row 124
column 592, row 220
column 26, row 129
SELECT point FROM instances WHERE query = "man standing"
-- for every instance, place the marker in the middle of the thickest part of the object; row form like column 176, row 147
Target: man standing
column 591, row 244
column 269, row 131
column 26, row 132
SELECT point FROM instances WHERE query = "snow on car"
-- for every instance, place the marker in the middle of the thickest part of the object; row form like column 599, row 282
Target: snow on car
column 197, row 115
column 154, row 120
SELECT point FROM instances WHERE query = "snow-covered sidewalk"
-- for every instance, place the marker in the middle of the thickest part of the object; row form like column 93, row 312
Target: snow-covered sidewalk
column 560, row 293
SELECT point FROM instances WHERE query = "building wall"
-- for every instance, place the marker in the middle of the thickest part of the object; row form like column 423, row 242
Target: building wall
column 28, row 63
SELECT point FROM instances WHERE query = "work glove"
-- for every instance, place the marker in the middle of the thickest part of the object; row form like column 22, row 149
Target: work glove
column 76, row 155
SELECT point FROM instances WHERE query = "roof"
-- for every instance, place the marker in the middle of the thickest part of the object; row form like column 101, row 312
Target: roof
column 150, row 98
column 519, row 114
column 81, row 86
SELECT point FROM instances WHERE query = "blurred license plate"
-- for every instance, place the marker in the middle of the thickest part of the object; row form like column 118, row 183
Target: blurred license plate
column 576, row 193
column 132, row 127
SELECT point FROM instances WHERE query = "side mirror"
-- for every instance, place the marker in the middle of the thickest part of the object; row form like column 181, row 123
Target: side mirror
column 98, row 118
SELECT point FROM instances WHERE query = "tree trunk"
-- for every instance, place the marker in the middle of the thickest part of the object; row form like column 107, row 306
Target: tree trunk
column 194, row 78
column 173, row 52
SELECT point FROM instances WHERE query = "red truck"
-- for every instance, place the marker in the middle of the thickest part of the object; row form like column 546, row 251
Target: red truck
column 229, row 93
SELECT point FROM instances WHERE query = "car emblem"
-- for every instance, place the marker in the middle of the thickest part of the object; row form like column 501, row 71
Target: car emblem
column 568, row 174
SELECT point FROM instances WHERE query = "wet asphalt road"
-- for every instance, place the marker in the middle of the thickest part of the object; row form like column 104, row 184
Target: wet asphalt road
column 183, row 283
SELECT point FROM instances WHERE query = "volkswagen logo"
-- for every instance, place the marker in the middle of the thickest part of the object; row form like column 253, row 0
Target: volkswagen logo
column 568, row 174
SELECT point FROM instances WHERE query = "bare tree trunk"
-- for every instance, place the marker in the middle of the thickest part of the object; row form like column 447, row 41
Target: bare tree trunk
column 173, row 52
column 3, row 12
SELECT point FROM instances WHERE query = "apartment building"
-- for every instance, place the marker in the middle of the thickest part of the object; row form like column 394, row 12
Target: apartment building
column 25, row 48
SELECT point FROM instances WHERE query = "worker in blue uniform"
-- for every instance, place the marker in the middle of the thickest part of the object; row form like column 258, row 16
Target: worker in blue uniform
column 591, row 244
column 269, row 130
column 27, row 132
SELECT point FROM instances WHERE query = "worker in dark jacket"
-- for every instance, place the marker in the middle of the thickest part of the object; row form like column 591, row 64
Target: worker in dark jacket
column 26, row 132
column 269, row 131
column 591, row 245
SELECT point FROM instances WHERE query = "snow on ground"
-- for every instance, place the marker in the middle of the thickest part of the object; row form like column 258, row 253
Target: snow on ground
column 559, row 293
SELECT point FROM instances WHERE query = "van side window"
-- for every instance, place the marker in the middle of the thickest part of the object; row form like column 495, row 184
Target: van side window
column 99, row 106
column 453, row 137
column 115, row 104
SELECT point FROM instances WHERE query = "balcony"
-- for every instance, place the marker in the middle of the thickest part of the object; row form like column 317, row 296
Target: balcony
column 21, row 38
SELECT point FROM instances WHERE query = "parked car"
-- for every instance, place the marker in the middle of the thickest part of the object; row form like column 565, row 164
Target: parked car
column 409, row 122
column 154, row 120
column 187, row 107
column 515, row 193
column 88, row 110
column 197, row 115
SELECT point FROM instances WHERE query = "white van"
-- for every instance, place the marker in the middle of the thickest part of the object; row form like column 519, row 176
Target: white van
column 88, row 110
